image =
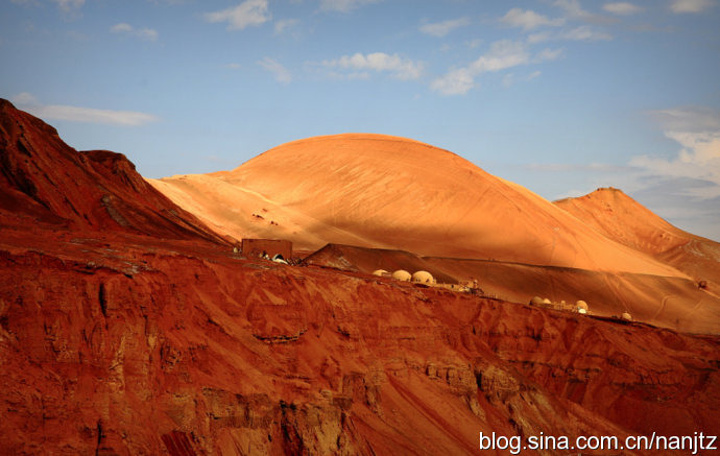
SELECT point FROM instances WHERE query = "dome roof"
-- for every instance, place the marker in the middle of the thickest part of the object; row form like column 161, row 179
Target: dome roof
column 423, row 277
column 381, row 273
column 401, row 275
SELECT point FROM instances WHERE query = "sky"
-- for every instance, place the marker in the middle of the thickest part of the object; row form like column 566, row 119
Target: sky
column 560, row 96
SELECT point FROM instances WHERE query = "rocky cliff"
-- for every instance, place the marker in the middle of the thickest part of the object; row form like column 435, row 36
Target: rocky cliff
column 130, row 328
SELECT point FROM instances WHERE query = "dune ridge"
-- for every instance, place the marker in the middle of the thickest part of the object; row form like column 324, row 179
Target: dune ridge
column 390, row 192
column 619, row 217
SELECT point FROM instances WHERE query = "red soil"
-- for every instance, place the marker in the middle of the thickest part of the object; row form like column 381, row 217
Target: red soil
column 151, row 337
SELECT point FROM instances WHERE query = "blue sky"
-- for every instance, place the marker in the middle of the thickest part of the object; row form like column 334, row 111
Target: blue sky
column 561, row 96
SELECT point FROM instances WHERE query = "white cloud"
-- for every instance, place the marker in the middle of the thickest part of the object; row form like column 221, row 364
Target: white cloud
column 344, row 6
column 622, row 8
column 548, row 55
column 502, row 55
column 572, row 8
column 441, row 29
column 121, row 28
column 69, row 5
column 360, row 64
column 540, row 37
column 529, row 20
column 143, row 33
column 29, row 103
column 574, row 11
column 249, row 13
column 281, row 73
column 284, row 24
column 233, row 66
column 585, row 33
column 455, row 82
column 697, row 130
column 581, row 33
column 690, row 6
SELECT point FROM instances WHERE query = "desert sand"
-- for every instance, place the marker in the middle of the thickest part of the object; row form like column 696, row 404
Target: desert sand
column 622, row 219
column 390, row 192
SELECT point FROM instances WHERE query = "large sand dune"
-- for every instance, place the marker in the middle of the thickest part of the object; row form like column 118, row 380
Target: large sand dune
column 390, row 192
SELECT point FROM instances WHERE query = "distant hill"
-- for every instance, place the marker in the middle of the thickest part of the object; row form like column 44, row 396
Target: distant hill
column 389, row 192
column 624, row 220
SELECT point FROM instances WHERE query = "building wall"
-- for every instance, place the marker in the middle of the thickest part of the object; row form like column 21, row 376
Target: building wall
column 256, row 247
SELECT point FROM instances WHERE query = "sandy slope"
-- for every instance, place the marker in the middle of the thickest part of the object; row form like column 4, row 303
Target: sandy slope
column 390, row 192
column 624, row 220
column 672, row 302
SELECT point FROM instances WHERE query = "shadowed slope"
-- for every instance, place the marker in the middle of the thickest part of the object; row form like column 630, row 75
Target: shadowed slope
column 390, row 192
column 44, row 180
column 624, row 220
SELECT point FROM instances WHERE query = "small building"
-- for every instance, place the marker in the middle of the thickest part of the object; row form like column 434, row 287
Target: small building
column 423, row 277
column 266, row 247
column 402, row 275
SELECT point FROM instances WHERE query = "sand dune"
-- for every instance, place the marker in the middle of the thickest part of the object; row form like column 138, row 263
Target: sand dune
column 389, row 192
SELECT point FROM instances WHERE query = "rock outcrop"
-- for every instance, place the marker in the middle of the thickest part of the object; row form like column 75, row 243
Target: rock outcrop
column 127, row 327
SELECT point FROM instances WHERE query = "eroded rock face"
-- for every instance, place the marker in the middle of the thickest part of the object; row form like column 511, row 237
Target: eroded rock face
column 127, row 328
column 199, row 353
column 43, row 180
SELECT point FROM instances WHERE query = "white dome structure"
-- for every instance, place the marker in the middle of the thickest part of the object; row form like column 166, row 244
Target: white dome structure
column 381, row 273
column 626, row 316
column 423, row 277
column 582, row 307
column 536, row 301
column 402, row 275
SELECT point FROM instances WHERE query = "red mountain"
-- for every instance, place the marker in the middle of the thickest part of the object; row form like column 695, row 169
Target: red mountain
column 126, row 329
column 44, row 180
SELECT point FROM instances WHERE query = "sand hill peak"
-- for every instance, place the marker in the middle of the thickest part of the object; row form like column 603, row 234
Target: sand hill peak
column 390, row 192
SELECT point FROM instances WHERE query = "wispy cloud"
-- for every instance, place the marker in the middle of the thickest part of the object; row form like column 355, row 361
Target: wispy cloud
column 511, row 79
column 30, row 104
column 281, row 73
column 248, row 13
column 441, row 29
column 585, row 33
column 502, row 55
column 622, row 8
column 344, row 6
column 581, row 33
column 683, row 187
column 127, row 29
column 697, row 131
column 359, row 65
column 573, row 10
column 69, row 5
column 529, row 20
column 690, row 6
column 285, row 24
